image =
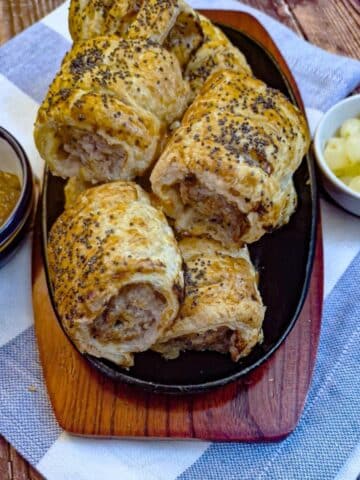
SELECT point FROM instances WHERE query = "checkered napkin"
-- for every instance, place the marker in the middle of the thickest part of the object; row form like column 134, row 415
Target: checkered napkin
column 326, row 443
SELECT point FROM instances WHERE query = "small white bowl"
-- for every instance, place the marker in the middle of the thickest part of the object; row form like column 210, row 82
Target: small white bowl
column 13, row 159
column 328, row 126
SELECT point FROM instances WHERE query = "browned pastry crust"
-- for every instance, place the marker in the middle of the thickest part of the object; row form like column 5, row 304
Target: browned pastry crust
column 154, row 20
column 222, row 310
column 216, row 53
column 227, row 171
column 186, row 36
column 108, row 109
column 199, row 45
column 92, row 18
column 116, row 272
column 169, row 22
column 73, row 188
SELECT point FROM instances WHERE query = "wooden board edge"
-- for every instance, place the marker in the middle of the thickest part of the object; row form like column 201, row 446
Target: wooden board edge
column 37, row 259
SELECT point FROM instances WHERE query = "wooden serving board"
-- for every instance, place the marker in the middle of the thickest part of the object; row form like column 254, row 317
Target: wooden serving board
column 265, row 405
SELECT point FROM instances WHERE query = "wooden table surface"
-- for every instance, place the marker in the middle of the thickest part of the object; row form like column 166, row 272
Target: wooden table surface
column 331, row 24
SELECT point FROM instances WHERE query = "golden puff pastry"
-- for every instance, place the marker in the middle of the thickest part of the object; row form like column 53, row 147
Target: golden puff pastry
column 73, row 188
column 186, row 36
column 154, row 21
column 222, row 310
column 76, row 185
column 171, row 23
column 215, row 53
column 227, row 171
column 93, row 18
column 108, row 109
column 116, row 272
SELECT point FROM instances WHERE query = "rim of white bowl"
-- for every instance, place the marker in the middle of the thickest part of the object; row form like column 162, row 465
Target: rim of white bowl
column 319, row 154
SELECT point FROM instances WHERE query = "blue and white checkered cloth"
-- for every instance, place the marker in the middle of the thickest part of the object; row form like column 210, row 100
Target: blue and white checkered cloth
column 326, row 443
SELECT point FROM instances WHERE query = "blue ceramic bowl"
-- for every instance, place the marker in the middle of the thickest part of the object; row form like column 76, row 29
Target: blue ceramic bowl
column 14, row 160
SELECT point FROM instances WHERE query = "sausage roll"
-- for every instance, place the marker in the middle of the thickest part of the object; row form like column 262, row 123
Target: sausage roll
column 116, row 272
column 186, row 36
column 108, row 109
column 171, row 23
column 222, row 310
column 154, row 20
column 226, row 173
column 93, row 18
column 215, row 53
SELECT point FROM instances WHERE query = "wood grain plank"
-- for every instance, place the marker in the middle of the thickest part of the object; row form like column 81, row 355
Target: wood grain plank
column 13, row 466
column 4, row 469
column 19, row 468
column 4, row 449
column 332, row 24
column 5, row 466
column 15, row 15
column 277, row 9
column 34, row 475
